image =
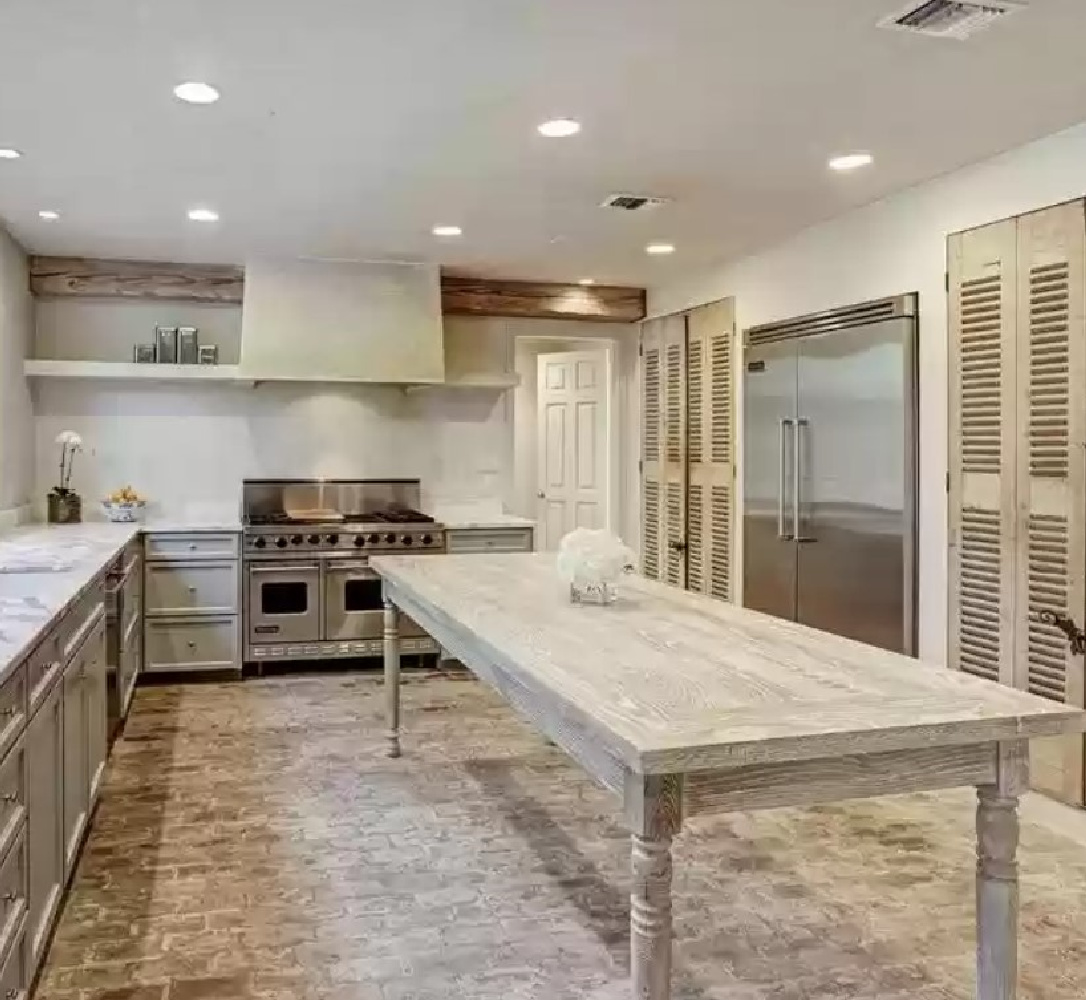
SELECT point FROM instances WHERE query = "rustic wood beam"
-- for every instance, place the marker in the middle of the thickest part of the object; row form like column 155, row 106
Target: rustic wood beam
column 541, row 300
column 136, row 279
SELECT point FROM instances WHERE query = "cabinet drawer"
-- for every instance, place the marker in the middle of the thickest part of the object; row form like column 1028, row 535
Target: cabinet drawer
column 489, row 540
column 13, row 893
column 197, row 545
column 190, row 644
column 43, row 667
column 14, row 974
column 12, row 708
column 192, row 587
column 12, row 797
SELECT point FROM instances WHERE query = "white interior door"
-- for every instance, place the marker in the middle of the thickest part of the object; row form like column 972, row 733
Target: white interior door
column 573, row 393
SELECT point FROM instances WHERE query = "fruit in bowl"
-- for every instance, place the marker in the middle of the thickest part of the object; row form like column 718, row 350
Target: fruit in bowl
column 123, row 505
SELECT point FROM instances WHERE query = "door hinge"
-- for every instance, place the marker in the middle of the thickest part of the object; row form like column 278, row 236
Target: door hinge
column 946, row 280
column 640, row 350
column 640, row 466
column 948, row 482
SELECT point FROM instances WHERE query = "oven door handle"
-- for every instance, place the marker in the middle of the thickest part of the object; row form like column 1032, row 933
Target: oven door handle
column 292, row 568
column 355, row 567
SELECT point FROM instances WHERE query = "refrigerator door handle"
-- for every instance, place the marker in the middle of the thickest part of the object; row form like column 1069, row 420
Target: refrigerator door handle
column 782, row 473
column 797, row 480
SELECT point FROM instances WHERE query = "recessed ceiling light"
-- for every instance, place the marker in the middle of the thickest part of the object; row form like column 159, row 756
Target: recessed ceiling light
column 49, row 214
column 203, row 215
column 559, row 128
column 850, row 161
column 447, row 231
column 586, row 281
column 660, row 248
column 9, row 154
column 194, row 92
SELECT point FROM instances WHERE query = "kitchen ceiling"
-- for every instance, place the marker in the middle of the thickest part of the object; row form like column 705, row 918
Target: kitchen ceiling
column 350, row 128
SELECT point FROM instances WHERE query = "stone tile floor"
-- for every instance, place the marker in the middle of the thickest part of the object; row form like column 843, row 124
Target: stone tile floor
column 253, row 842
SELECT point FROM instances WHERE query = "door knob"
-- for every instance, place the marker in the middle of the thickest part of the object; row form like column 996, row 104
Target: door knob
column 541, row 495
column 1076, row 638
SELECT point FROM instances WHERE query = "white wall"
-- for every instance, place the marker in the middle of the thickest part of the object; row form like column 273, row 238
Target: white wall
column 16, row 423
column 188, row 449
column 893, row 246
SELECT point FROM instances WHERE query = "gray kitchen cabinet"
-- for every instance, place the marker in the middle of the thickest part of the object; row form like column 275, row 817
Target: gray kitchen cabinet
column 192, row 602
column 13, row 895
column 94, row 711
column 179, row 588
column 15, row 973
column 45, row 830
column 459, row 541
column 74, row 771
column 191, row 644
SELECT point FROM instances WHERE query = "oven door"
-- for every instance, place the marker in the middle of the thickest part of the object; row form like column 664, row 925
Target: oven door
column 284, row 602
column 353, row 608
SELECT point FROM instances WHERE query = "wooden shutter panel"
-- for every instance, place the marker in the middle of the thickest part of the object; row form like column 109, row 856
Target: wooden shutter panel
column 1051, row 554
column 710, row 419
column 982, row 450
column 663, row 438
column 652, row 459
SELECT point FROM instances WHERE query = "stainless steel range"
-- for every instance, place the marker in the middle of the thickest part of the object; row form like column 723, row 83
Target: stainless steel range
column 309, row 591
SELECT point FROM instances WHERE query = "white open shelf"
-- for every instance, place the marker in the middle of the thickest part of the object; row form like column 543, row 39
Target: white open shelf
column 230, row 375
column 129, row 371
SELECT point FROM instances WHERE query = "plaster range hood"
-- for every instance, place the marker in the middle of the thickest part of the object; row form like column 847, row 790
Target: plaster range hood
column 342, row 321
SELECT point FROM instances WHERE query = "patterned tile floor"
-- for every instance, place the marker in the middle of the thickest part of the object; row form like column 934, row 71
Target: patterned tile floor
column 253, row 842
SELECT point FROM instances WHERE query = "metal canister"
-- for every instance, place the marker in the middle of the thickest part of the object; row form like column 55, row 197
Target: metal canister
column 209, row 354
column 187, row 345
column 166, row 345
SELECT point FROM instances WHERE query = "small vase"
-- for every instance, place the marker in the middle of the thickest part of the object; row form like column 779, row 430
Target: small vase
column 64, row 508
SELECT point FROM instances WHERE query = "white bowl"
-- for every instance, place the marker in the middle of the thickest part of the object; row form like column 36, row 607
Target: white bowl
column 123, row 511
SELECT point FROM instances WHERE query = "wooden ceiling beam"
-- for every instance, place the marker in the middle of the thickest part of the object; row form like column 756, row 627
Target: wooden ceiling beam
column 225, row 284
column 136, row 279
column 541, row 300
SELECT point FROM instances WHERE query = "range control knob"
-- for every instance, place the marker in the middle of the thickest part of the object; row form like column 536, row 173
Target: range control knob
column 408, row 539
column 374, row 538
column 296, row 539
column 427, row 539
column 390, row 538
column 333, row 539
column 260, row 543
column 359, row 541
column 281, row 543
column 314, row 539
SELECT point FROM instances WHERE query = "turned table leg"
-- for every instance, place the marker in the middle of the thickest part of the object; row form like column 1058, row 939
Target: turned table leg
column 653, row 806
column 997, row 874
column 392, row 677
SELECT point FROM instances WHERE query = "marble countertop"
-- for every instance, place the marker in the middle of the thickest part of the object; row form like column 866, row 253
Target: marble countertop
column 31, row 603
column 168, row 524
column 467, row 517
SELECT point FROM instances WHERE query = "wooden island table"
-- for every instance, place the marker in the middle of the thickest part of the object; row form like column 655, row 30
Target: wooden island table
column 684, row 705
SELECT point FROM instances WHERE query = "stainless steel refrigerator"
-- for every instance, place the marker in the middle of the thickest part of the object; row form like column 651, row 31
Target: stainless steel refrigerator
column 829, row 483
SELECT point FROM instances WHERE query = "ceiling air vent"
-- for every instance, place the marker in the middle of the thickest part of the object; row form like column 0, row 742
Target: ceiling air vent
column 950, row 18
column 632, row 202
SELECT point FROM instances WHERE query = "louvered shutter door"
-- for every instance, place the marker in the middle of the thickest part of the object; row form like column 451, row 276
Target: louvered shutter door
column 1051, row 487
column 710, row 409
column 673, row 337
column 982, row 450
column 653, row 487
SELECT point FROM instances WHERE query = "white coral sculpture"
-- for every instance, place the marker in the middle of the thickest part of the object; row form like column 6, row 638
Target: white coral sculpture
column 590, row 561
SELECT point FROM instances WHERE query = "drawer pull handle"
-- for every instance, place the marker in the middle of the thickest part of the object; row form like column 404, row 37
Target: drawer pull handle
column 10, row 897
column 8, row 712
column 11, row 995
column 192, row 546
column 11, row 796
column 192, row 644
